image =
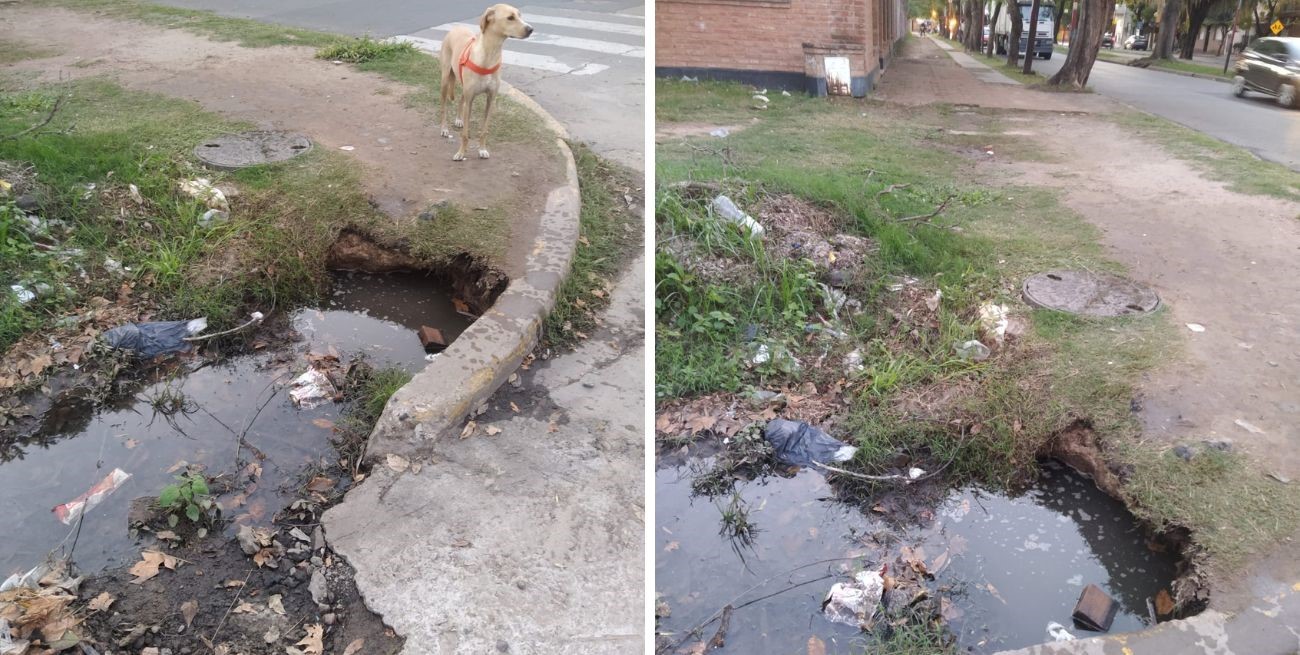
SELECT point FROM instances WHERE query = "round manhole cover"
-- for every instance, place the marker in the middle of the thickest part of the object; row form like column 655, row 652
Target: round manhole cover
column 1094, row 294
column 232, row 151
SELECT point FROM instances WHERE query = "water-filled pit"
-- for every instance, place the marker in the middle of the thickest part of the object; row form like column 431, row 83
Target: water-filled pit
column 375, row 316
column 1008, row 564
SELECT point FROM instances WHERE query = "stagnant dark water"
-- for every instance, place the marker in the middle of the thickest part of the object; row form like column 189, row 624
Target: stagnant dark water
column 1015, row 563
column 374, row 316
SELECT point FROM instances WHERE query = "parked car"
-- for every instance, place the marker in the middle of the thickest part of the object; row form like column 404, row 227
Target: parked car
column 1108, row 40
column 1270, row 66
column 1137, row 42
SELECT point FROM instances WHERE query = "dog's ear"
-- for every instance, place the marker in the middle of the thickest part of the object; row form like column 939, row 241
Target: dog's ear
column 487, row 19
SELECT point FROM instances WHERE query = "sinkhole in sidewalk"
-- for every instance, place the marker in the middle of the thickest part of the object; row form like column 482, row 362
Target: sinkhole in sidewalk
column 189, row 411
column 1004, row 565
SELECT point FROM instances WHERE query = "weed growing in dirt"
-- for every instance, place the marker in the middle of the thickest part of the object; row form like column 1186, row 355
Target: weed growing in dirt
column 608, row 236
column 367, row 392
column 189, row 498
column 1242, row 171
column 366, row 49
column 14, row 51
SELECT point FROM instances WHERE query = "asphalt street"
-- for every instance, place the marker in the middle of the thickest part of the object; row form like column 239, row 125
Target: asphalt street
column 585, row 63
column 1255, row 122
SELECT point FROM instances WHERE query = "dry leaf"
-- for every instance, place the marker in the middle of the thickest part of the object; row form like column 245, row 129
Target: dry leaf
column 323, row 423
column 150, row 562
column 189, row 610
column 263, row 556
column 671, row 546
column 816, row 646
column 398, row 463
column 233, row 584
column 354, row 647
column 469, row 429
column 994, row 590
column 514, row 408
column 276, row 603
column 167, row 535
column 313, row 643
column 131, row 443
column 320, row 484
column 492, row 430
column 244, row 607
column 101, row 602
column 1164, row 604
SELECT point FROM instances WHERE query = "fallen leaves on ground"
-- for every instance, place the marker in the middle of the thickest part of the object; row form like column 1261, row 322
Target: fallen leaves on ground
column 816, row 646
column 398, row 463
column 492, row 430
column 469, row 430
column 320, row 484
column 101, row 602
column 313, row 643
column 276, row 603
column 189, row 610
column 151, row 562
column 42, row 605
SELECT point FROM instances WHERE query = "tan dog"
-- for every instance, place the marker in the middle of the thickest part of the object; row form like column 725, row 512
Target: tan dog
column 473, row 62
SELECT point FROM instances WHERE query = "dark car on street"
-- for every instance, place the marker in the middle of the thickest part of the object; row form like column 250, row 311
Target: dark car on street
column 1137, row 42
column 1270, row 66
column 1108, row 40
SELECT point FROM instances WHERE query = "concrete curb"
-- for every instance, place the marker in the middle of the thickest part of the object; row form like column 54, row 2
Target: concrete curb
column 1202, row 76
column 438, row 399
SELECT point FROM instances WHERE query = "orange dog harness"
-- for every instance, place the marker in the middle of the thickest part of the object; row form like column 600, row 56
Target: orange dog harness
column 465, row 62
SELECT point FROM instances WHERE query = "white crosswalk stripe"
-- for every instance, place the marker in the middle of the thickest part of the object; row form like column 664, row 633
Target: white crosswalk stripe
column 575, row 43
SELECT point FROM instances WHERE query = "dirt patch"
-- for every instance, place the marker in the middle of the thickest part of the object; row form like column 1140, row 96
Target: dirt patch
column 407, row 165
column 671, row 131
column 922, row 74
column 473, row 281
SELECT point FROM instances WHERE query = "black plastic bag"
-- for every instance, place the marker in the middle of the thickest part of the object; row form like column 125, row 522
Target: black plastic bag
column 153, row 339
column 799, row 444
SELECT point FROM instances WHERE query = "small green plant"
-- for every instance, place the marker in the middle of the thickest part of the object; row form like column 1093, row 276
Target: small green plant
column 365, row 49
column 190, row 498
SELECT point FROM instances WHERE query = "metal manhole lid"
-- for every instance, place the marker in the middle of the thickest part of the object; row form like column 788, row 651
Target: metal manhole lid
column 1089, row 293
column 244, row 149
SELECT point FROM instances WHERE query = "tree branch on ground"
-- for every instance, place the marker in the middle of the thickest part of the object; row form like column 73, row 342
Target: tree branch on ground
column 58, row 102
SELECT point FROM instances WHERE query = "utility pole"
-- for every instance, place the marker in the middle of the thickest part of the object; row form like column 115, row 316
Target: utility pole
column 1228, row 57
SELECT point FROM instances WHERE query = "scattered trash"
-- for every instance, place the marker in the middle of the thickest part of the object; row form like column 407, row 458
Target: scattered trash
column 723, row 206
column 135, row 194
column 1247, row 426
column 69, row 511
column 213, row 216
column 23, row 295
column 799, row 444
column 1058, row 632
column 1184, row 453
column 157, row 338
column 762, row 99
column 113, row 266
column 785, row 93
column 776, row 356
column 347, row 148
column 39, row 611
column 853, row 361
column 855, row 603
column 202, row 190
column 1095, row 610
column 1196, row 327
column 972, row 350
column 834, row 299
column 821, row 328
column 312, row 389
column 1279, row 477
column 994, row 321
column 932, row 303
column 690, row 79
column 431, row 356
column 721, row 132
column 914, row 473
column 432, row 339
column 762, row 356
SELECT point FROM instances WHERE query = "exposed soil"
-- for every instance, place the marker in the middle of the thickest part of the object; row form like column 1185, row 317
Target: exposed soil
column 670, row 131
column 407, row 165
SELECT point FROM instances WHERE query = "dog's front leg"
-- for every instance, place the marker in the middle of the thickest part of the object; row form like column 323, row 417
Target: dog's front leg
column 483, row 129
column 466, row 102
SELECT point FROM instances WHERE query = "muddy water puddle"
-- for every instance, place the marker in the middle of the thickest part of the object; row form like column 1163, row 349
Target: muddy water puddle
column 1006, row 565
column 371, row 316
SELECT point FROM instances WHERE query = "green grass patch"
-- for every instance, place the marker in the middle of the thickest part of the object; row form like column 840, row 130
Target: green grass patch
column 609, row 236
column 365, row 49
column 1236, row 167
column 720, row 292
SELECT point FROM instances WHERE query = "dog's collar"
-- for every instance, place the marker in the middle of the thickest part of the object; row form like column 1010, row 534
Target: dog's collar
column 466, row 62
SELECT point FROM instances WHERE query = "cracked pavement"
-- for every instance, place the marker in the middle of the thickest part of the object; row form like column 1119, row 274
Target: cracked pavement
column 527, row 535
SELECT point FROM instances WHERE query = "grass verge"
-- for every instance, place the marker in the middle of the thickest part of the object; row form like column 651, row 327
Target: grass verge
column 609, row 236
column 723, row 298
column 1176, row 65
column 1242, row 171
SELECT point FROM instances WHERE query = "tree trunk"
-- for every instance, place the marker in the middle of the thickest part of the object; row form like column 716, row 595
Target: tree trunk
column 1013, row 41
column 1205, row 45
column 992, row 25
column 1085, row 41
column 1030, row 53
column 1168, row 25
column 1197, row 11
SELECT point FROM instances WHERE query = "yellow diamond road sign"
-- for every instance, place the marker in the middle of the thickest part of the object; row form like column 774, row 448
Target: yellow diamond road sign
column 1277, row 27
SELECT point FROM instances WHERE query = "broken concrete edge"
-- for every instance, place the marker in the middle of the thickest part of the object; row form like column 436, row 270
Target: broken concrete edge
column 438, row 399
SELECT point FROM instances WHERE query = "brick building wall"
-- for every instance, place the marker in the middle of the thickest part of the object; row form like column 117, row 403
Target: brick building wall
column 777, row 43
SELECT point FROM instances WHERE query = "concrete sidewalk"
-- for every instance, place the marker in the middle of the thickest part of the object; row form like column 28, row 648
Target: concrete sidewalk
column 526, row 536
column 1270, row 626
column 977, row 68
